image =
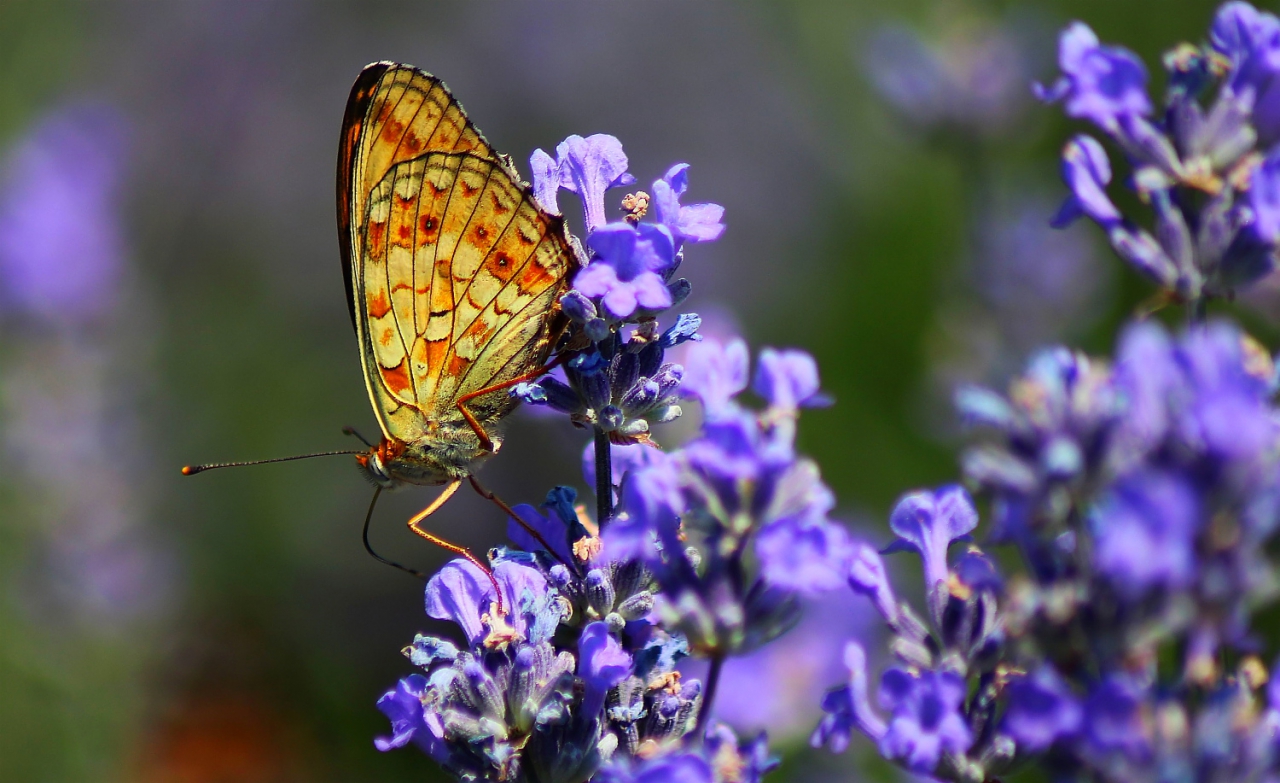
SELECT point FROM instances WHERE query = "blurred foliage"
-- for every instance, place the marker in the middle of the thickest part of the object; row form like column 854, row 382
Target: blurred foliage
column 282, row 632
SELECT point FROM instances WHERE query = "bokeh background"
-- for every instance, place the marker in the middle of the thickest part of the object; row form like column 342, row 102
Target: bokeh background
column 170, row 292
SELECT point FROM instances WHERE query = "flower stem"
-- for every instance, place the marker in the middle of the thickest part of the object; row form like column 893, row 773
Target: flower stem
column 708, row 696
column 604, row 479
column 1197, row 311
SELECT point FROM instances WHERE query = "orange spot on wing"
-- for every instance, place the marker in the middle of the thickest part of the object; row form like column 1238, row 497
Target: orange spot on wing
column 525, row 239
column 481, row 235
column 377, row 234
column 411, row 142
column 400, row 287
column 388, row 335
column 403, row 231
column 534, row 276
column 392, row 131
column 457, row 365
column 467, row 189
column 498, row 206
column 427, row 230
column 397, row 378
column 500, row 266
column 379, row 306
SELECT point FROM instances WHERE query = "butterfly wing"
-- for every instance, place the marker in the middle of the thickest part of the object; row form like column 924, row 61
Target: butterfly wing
column 454, row 270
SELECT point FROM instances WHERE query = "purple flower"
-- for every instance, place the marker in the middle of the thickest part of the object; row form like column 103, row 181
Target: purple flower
column 680, row 767
column 461, row 592
column 1250, row 40
column 61, row 251
column 867, row 576
column 927, row 522
column 1264, row 197
column 1114, row 720
column 849, row 707
column 692, row 223
column 602, row 664
column 926, row 719
column 715, row 373
column 1145, row 532
column 1041, row 710
column 779, row 686
column 1087, row 171
column 554, row 529
column 1103, row 84
column 409, row 722
column 628, row 269
column 804, row 552
column 974, row 81
column 788, row 379
column 652, row 502
column 1200, row 391
column 587, row 167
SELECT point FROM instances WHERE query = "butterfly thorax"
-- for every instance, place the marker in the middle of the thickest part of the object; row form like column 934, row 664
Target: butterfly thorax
column 446, row 454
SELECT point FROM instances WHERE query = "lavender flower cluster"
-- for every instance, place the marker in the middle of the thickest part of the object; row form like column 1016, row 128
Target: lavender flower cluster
column 1132, row 504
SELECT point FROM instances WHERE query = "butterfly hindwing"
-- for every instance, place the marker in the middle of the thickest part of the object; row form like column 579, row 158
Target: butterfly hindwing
column 454, row 269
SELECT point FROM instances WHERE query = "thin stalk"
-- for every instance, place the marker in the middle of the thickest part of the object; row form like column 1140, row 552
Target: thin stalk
column 1197, row 311
column 708, row 696
column 604, row 479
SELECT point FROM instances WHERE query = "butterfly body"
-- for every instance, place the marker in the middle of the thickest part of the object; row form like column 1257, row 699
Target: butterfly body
column 454, row 274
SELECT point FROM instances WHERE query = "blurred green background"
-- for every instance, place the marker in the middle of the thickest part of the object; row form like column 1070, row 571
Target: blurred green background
column 242, row 633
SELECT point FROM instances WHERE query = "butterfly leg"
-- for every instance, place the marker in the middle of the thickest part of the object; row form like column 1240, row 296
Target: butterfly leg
column 415, row 524
column 487, row 495
column 486, row 442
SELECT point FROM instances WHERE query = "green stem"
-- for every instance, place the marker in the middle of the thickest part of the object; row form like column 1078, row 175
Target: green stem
column 604, row 479
column 708, row 696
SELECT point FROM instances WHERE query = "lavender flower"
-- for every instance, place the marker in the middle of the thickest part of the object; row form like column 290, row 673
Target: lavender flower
column 1201, row 247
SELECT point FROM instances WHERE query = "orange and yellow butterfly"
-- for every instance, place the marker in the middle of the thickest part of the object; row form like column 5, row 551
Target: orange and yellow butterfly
column 454, row 275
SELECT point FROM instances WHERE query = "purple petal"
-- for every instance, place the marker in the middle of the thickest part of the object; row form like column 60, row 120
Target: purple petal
column 602, row 664
column 788, row 379
column 716, row 372
column 589, row 167
column 546, row 180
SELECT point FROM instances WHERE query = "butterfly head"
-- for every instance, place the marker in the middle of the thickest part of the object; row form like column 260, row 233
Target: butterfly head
column 430, row 461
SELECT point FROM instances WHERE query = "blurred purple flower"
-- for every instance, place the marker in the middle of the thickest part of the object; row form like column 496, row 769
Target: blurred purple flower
column 1145, row 531
column 849, row 707
column 1104, row 84
column 715, row 372
column 788, row 380
column 778, row 687
column 1250, row 40
column 1041, row 710
column 1087, row 172
column 926, row 719
column 1264, row 197
column 973, row 82
column 61, row 249
column 1114, row 720
column 628, row 270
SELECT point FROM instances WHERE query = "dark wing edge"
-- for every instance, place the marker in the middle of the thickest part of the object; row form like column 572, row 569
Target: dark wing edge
column 353, row 119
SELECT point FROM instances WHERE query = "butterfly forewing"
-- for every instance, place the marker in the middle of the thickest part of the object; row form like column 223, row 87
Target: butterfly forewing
column 454, row 269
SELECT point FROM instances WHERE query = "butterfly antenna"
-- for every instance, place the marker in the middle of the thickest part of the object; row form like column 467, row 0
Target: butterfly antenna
column 369, row 516
column 355, row 434
column 487, row 495
column 415, row 524
column 191, row 470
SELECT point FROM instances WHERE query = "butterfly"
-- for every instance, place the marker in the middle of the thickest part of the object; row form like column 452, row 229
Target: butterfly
column 453, row 271
column 453, row 274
